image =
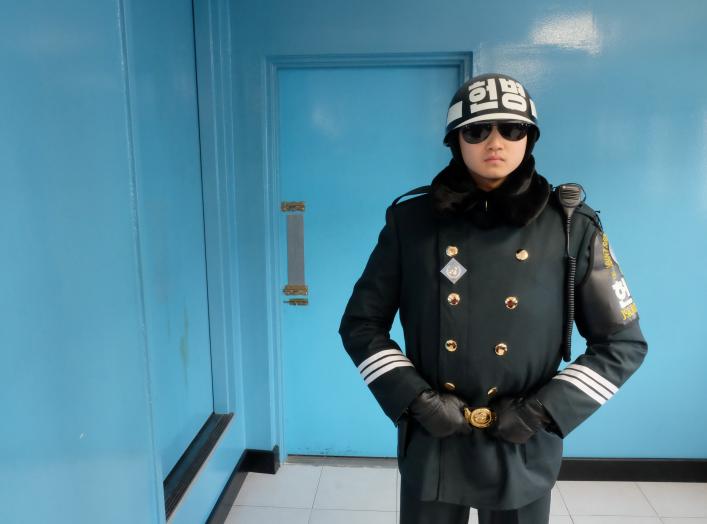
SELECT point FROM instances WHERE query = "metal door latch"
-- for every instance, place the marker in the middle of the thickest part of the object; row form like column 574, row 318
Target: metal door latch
column 295, row 253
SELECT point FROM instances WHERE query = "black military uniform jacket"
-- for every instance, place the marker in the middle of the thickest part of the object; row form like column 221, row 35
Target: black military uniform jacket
column 482, row 305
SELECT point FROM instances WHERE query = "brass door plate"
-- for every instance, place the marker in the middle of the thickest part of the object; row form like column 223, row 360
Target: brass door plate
column 292, row 206
column 297, row 301
column 295, row 289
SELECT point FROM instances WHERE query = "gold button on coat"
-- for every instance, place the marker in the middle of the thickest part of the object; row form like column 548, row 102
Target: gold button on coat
column 452, row 251
column 492, row 392
column 511, row 302
column 501, row 349
column 449, row 386
column 453, row 298
column 522, row 254
column 451, row 345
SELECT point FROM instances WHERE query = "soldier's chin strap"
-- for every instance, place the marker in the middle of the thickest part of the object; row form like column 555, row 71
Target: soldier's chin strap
column 570, row 197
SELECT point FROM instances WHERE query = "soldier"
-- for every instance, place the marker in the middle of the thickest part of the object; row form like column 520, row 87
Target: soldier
column 485, row 266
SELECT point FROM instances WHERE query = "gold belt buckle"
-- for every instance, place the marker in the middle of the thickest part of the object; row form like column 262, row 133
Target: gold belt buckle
column 480, row 417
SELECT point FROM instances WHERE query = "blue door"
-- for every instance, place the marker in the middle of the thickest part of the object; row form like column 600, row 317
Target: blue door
column 351, row 137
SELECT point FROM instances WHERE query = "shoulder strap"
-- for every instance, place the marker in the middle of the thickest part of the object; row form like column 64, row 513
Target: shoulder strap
column 417, row 191
column 593, row 216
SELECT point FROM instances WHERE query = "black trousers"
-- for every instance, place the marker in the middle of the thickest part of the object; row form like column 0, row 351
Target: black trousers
column 413, row 511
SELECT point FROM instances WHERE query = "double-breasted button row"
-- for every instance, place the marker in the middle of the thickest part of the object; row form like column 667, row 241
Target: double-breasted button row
column 449, row 386
column 521, row 254
column 453, row 299
column 511, row 302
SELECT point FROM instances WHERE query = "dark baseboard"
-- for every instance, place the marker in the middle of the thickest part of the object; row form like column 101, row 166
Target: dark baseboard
column 252, row 460
column 637, row 470
column 261, row 461
column 187, row 467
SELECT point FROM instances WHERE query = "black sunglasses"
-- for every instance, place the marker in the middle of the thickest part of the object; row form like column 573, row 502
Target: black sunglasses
column 477, row 133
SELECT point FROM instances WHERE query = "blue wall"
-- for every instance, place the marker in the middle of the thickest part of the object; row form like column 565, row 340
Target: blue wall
column 620, row 94
column 79, row 141
column 76, row 438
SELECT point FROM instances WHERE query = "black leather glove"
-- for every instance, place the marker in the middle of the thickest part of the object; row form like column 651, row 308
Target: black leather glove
column 441, row 414
column 518, row 419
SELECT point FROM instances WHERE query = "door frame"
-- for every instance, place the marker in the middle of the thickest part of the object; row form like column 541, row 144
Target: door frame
column 214, row 77
column 273, row 65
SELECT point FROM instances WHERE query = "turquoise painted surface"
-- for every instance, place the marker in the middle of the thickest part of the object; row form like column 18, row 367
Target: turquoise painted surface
column 619, row 89
column 76, row 439
column 165, row 126
column 205, row 491
column 96, row 136
column 329, row 156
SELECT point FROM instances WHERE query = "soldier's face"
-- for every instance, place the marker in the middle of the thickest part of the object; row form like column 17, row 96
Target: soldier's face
column 491, row 161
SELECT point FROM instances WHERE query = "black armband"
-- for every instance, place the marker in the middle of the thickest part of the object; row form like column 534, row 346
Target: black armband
column 604, row 295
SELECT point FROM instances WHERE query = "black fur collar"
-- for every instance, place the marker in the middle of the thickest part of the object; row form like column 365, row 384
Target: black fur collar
column 517, row 202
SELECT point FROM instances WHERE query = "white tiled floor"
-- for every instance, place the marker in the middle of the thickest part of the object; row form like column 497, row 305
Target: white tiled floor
column 360, row 494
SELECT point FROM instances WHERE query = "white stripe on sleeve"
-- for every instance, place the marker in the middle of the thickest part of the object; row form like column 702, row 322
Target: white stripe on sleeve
column 582, row 386
column 378, row 355
column 589, row 382
column 382, row 362
column 387, row 368
column 596, row 376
